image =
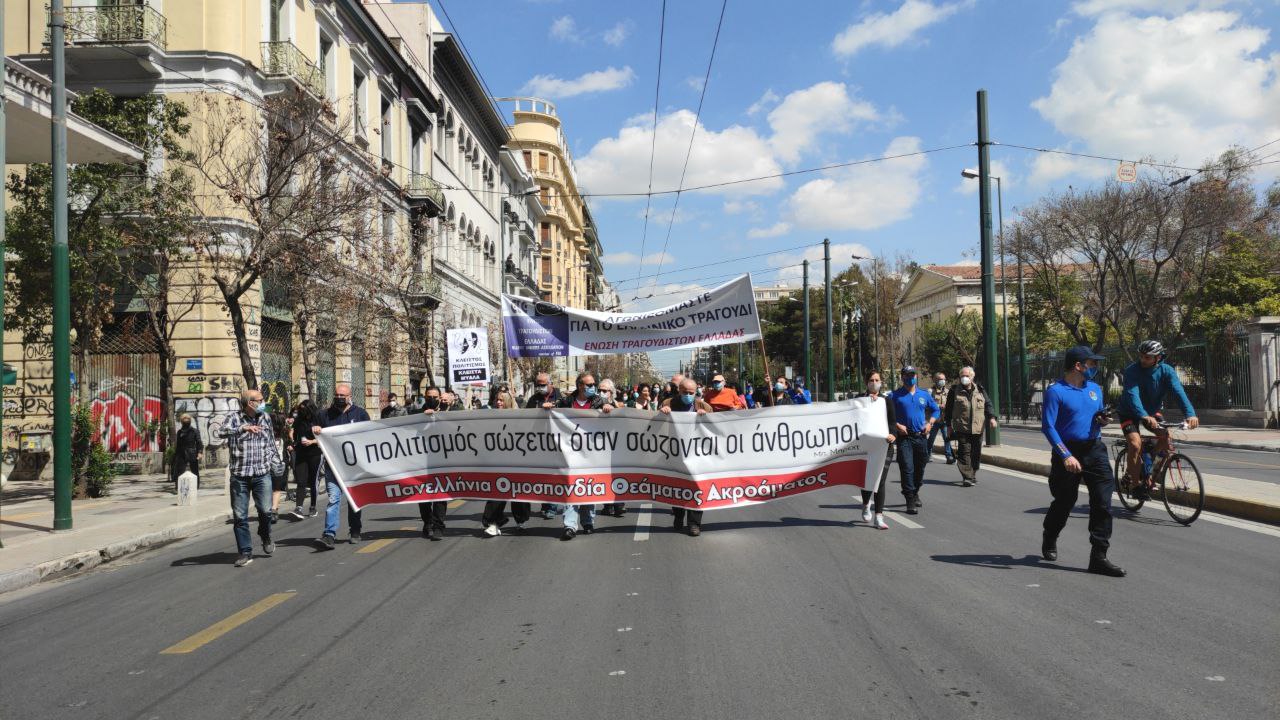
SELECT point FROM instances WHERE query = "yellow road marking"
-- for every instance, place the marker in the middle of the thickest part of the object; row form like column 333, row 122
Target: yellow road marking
column 375, row 546
column 222, row 627
column 48, row 513
column 456, row 503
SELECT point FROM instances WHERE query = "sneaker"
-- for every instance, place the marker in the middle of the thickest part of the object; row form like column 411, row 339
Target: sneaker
column 275, row 515
column 312, row 512
column 568, row 534
column 966, row 483
column 548, row 515
column 973, row 481
column 880, row 523
column 911, row 509
column 951, row 461
column 695, row 530
column 244, row 559
column 519, row 527
column 588, row 529
column 326, row 542
column 297, row 513
column 866, row 513
column 354, row 538
column 492, row 530
column 268, row 547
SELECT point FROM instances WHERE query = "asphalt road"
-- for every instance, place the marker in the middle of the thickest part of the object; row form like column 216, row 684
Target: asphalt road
column 786, row 610
column 1228, row 462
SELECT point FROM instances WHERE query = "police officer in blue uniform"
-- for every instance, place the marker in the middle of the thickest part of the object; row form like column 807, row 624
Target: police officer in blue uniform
column 1072, row 421
column 916, row 412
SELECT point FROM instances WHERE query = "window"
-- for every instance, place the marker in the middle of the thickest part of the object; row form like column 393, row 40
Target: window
column 528, row 159
column 359, row 106
column 326, row 67
column 277, row 21
column 388, row 224
column 417, row 150
column 546, row 234
column 387, row 149
column 542, row 161
column 545, row 196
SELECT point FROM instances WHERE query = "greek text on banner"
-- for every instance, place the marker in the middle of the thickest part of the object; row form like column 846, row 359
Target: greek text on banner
column 583, row 457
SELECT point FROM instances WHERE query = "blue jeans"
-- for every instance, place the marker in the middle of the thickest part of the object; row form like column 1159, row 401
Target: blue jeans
column 941, row 427
column 913, row 453
column 331, row 509
column 241, row 487
column 571, row 516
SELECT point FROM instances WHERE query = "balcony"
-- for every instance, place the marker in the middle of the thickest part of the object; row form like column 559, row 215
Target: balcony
column 424, row 291
column 283, row 59
column 106, row 44
column 519, row 277
column 422, row 189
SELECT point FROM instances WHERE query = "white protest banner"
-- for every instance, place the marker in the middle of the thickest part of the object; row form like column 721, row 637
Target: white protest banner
column 581, row 456
column 468, row 356
column 726, row 314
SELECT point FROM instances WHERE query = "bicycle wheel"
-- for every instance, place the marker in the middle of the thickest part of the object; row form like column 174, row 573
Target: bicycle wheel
column 1123, row 489
column 1182, row 489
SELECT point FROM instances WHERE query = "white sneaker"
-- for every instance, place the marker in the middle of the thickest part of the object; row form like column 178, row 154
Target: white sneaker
column 492, row 530
column 866, row 513
column 880, row 523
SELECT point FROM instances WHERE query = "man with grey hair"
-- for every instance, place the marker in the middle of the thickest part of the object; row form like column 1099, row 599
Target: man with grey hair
column 968, row 414
column 342, row 411
column 939, row 393
column 252, row 449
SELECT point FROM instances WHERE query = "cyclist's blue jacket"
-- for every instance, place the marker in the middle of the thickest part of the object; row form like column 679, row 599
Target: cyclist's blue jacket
column 1144, row 391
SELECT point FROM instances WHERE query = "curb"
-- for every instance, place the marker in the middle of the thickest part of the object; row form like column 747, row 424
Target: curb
column 1236, row 507
column 80, row 562
column 1228, row 444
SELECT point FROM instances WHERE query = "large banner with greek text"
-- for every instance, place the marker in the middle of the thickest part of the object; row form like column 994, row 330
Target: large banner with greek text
column 726, row 314
column 582, row 456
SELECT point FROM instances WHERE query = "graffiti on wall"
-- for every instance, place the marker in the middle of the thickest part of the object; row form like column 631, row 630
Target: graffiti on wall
column 124, row 424
column 208, row 414
column 276, row 394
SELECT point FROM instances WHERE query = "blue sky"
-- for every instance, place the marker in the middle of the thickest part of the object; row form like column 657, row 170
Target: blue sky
column 805, row 84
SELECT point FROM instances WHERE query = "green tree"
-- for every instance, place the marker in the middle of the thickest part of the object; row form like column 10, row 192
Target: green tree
column 1242, row 282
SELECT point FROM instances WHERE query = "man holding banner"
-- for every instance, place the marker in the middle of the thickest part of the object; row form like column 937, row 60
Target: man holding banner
column 686, row 400
column 586, row 397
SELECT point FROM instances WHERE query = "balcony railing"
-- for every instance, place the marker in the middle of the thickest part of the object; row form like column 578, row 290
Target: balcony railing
column 423, row 186
column 282, row 58
column 424, row 291
column 115, row 25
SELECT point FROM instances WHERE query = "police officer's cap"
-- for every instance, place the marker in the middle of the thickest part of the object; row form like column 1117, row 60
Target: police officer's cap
column 907, row 370
column 1079, row 354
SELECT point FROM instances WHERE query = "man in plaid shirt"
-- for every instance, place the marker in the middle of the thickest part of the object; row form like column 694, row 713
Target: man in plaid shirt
column 252, row 448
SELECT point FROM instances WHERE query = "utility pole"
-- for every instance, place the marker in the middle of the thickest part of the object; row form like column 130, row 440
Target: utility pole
column 831, row 358
column 1004, row 302
column 61, row 279
column 1022, row 336
column 808, row 368
column 988, row 280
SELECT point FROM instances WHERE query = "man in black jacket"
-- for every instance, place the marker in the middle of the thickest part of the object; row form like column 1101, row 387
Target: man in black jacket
column 544, row 392
column 586, row 397
column 968, row 414
column 188, row 449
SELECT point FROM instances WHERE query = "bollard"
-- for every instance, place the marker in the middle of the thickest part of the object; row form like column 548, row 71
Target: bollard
column 188, row 488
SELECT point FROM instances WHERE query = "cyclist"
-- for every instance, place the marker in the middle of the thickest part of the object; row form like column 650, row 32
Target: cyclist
column 1145, row 384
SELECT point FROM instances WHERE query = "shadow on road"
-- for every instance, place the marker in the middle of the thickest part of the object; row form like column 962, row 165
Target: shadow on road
column 1002, row 562
column 215, row 558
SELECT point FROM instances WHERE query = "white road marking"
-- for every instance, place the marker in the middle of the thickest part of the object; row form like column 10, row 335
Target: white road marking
column 625, row 629
column 635, row 568
column 1103, row 622
column 636, row 554
column 898, row 518
column 633, row 594
column 1214, row 678
column 642, row 522
column 1034, row 585
column 1249, row 525
column 618, row 672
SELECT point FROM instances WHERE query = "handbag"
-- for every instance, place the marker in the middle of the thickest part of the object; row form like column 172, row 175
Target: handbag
column 275, row 464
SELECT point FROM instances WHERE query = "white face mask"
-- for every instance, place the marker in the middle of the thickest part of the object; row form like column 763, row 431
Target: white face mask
column 873, row 388
column 965, row 380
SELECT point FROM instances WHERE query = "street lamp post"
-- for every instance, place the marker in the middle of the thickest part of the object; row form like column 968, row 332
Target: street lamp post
column 988, row 281
column 808, row 367
column 831, row 360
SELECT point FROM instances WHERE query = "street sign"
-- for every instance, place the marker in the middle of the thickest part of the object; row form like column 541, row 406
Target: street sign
column 1127, row 172
column 195, row 364
column 788, row 372
column 10, row 375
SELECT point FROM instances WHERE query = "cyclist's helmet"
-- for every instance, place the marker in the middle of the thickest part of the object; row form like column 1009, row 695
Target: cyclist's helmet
column 1152, row 347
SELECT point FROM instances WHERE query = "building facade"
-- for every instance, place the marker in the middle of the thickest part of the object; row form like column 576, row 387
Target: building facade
column 936, row 292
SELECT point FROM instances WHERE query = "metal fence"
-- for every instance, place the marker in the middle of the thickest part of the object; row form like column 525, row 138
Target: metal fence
column 277, row 364
column 121, row 380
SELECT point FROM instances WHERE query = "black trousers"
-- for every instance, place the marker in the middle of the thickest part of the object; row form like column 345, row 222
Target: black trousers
column 968, row 454
column 694, row 516
column 1065, row 487
column 433, row 513
column 884, row 475
column 180, row 466
column 495, row 512
column 913, row 455
column 306, row 475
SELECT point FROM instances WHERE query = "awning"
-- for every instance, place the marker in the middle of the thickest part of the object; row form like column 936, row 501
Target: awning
column 28, row 104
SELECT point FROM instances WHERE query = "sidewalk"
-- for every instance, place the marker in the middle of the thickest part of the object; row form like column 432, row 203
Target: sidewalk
column 1248, row 499
column 1206, row 435
column 140, row 513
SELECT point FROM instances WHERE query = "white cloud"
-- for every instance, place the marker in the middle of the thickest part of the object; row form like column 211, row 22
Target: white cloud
column 1177, row 89
column 741, row 207
column 630, row 258
column 610, row 78
column 768, row 98
column 564, row 28
column 1048, row 167
column 841, row 258
column 694, row 83
column 662, row 217
column 892, row 29
column 1100, row 7
column 620, row 164
column 968, row 186
column 863, row 197
column 775, row 230
column 827, row 107
column 617, row 34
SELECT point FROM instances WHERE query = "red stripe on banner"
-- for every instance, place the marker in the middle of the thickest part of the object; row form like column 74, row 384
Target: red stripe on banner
column 590, row 488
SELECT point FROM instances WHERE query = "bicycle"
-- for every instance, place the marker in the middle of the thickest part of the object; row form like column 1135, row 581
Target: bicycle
column 1173, row 474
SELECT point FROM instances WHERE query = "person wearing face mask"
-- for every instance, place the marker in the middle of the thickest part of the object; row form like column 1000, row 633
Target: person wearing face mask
column 393, row 408
column 188, row 449
column 586, row 397
column 543, row 393
column 719, row 397
column 799, row 395
column 433, row 512
column 939, row 393
column 968, row 413
column 686, row 400
column 778, row 392
column 644, row 400
column 673, row 388
column 342, row 411
column 916, row 413
column 1072, row 420
column 876, row 510
column 307, row 460
column 494, row 517
column 251, row 445
column 609, row 393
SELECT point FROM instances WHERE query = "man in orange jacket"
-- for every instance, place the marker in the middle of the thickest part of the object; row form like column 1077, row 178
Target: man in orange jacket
column 719, row 397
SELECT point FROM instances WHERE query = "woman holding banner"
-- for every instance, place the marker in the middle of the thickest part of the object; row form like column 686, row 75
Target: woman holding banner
column 873, row 392
column 495, row 511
